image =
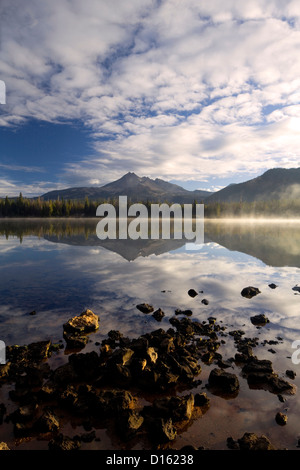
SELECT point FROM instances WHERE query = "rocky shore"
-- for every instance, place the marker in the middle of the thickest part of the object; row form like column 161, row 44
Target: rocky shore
column 106, row 387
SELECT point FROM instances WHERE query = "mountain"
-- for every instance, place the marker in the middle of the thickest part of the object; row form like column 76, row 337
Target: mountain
column 136, row 188
column 278, row 183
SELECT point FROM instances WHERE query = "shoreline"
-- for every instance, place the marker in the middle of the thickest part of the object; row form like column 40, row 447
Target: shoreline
column 146, row 391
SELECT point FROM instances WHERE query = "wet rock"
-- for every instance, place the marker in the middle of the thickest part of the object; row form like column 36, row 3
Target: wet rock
column 296, row 288
column 129, row 423
column 86, row 322
column 24, row 413
column 76, row 329
column 259, row 320
column 232, row 444
column 205, row 301
column 250, row 441
column 62, row 442
column 192, row 293
column 48, row 422
column 145, row 308
column 223, row 382
column 2, row 412
column 176, row 408
column 162, row 430
column 33, row 353
column 86, row 366
column 291, row 374
column 260, row 373
column 250, row 292
column 201, row 399
column 158, row 314
column 75, row 341
column 272, row 286
column 4, row 446
column 281, row 419
column 187, row 312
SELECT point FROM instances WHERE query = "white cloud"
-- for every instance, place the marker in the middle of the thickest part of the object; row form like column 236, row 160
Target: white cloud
column 179, row 88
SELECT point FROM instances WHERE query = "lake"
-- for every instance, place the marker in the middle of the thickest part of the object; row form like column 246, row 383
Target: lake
column 58, row 268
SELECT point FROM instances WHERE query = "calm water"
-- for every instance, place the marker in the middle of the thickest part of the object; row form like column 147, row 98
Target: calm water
column 59, row 268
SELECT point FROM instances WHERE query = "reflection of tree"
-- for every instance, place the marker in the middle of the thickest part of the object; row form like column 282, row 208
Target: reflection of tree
column 276, row 244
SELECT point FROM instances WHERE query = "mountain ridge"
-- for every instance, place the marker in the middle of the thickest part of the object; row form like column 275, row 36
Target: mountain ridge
column 136, row 188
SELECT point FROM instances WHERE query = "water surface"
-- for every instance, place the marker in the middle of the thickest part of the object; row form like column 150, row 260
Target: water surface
column 58, row 268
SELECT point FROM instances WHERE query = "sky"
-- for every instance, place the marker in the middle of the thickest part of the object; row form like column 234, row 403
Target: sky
column 202, row 93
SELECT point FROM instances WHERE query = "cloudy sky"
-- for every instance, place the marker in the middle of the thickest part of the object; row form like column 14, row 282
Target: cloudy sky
column 198, row 92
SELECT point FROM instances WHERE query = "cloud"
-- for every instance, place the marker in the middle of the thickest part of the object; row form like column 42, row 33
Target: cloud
column 171, row 89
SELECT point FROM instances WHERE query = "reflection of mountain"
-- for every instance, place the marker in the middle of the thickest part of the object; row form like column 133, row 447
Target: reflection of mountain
column 128, row 249
column 275, row 244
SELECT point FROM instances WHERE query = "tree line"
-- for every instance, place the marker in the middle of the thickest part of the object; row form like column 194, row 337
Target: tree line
column 25, row 207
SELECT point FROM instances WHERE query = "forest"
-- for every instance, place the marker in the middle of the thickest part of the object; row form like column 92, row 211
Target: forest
column 36, row 207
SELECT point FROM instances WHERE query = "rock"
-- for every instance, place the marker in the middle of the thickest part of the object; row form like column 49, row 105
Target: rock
column 86, row 366
column 158, row 314
column 62, row 442
column 129, row 423
column 2, row 412
column 296, row 288
column 272, row 286
column 250, row 292
column 187, row 312
column 250, row 441
column 259, row 320
column 205, row 301
column 291, row 374
column 223, row 382
column 48, row 422
column 145, row 308
column 163, row 430
column 176, row 408
column 232, row 444
column 201, row 399
column 281, row 419
column 4, row 446
column 192, row 293
column 86, row 322
column 75, row 341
